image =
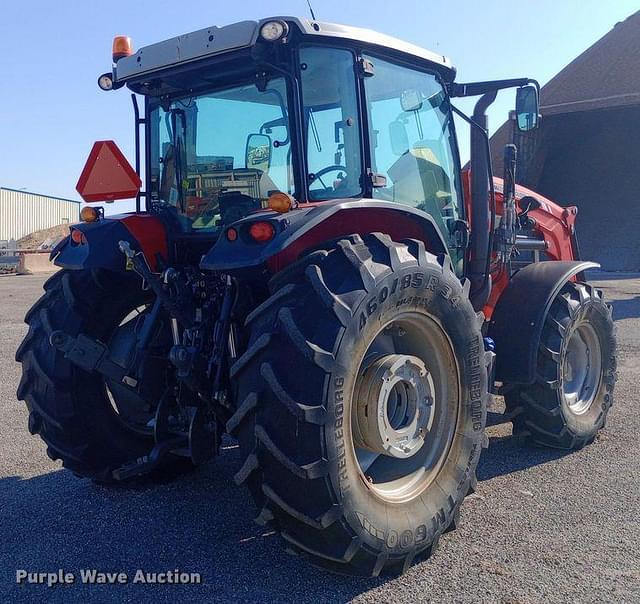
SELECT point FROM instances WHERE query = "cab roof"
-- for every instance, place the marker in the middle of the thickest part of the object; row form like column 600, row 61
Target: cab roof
column 212, row 41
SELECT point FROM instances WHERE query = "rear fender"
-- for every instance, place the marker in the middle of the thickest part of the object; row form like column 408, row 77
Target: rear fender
column 519, row 316
column 100, row 249
column 310, row 225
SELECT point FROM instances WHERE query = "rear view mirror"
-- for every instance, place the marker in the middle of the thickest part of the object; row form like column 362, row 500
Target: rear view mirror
column 411, row 100
column 258, row 152
column 398, row 137
column 527, row 108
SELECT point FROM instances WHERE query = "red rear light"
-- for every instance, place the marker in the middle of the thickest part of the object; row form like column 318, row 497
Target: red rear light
column 78, row 237
column 232, row 234
column 262, row 231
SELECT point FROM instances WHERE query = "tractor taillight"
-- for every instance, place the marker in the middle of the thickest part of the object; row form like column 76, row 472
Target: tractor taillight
column 122, row 47
column 262, row 231
column 78, row 237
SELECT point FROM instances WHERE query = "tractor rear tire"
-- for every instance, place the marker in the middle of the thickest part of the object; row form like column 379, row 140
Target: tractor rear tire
column 69, row 408
column 303, row 459
column 576, row 373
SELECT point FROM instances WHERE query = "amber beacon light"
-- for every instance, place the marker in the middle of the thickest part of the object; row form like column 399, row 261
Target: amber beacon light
column 122, row 47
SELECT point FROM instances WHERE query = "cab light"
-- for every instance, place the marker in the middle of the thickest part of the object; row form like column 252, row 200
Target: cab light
column 272, row 31
column 89, row 214
column 122, row 47
column 78, row 237
column 232, row 234
column 105, row 82
column 281, row 202
column 262, row 231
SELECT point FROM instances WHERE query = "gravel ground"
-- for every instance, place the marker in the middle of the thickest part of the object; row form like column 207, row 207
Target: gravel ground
column 543, row 527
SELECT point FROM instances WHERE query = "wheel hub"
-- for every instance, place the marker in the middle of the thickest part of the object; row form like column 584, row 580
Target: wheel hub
column 395, row 406
column 582, row 369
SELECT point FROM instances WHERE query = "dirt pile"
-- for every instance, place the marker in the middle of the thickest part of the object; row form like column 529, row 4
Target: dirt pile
column 43, row 239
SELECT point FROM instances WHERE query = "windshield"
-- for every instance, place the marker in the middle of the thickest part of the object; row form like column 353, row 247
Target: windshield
column 218, row 156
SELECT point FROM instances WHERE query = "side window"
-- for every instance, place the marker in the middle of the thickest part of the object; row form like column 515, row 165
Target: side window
column 332, row 123
column 411, row 141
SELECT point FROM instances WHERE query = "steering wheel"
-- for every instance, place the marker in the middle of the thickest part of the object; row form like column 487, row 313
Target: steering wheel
column 317, row 176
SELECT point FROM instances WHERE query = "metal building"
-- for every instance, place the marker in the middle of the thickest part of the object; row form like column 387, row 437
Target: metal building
column 22, row 212
column 586, row 152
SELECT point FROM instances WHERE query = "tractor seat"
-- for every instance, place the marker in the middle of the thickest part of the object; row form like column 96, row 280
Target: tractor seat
column 420, row 181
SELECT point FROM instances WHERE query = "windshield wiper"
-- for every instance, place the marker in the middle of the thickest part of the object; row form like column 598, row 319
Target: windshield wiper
column 281, row 121
column 314, row 131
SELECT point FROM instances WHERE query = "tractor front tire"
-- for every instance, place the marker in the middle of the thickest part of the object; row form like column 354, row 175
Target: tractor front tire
column 568, row 403
column 362, row 405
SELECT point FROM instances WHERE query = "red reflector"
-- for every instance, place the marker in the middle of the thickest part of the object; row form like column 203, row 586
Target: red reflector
column 78, row 237
column 262, row 231
column 232, row 234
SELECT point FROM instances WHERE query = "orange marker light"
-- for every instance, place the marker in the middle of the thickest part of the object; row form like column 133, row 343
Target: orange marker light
column 122, row 47
column 262, row 231
column 89, row 214
column 281, row 202
column 232, row 234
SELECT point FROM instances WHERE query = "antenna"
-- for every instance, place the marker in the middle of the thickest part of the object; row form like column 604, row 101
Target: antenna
column 311, row 10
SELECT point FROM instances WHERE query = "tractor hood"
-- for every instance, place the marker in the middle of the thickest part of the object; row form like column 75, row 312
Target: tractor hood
column 212, row 41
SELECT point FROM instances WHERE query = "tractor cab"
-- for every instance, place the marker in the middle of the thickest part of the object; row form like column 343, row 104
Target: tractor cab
column 317, row 111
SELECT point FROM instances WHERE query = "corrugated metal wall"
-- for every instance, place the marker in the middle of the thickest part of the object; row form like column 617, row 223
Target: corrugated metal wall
column 22, row 213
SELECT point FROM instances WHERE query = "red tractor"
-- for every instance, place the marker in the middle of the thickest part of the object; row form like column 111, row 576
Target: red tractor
column 314, row 274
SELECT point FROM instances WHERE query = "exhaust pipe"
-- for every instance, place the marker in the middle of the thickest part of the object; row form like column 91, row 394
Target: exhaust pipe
column 481, row 228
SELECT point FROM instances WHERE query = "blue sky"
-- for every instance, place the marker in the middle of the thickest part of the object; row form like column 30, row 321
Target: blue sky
column 51, row 53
